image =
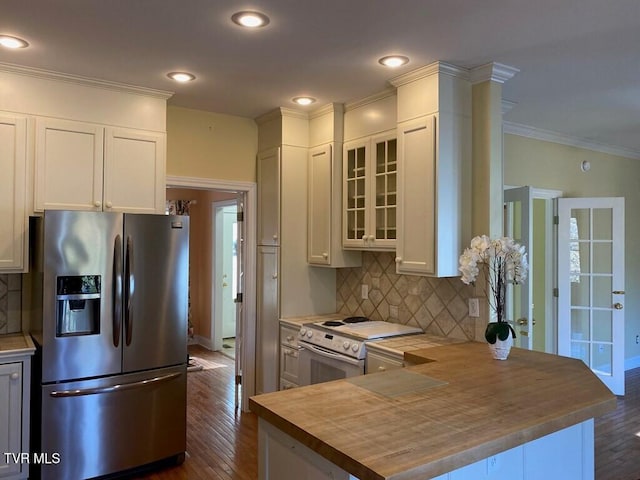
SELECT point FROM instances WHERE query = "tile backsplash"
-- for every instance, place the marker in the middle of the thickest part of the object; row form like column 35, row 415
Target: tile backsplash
column 10, row 303
column 438, row 305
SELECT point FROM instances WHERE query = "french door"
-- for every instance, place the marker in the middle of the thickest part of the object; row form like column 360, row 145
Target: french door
column 518, row 219
column 591, row 285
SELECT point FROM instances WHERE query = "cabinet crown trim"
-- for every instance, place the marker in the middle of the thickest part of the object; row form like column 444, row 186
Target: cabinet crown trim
column 495, row 72
column 280, row 112
column 85, row 81
column 388, row 92
column 431, row 69
column 329, row 108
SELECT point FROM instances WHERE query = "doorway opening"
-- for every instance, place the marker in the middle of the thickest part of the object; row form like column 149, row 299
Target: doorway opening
column 532, row 306
column 225, row 275
column 206, row 284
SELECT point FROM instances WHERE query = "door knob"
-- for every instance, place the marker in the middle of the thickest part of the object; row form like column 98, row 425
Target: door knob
column 225, row 284
column 523, row 321
column 618, row 306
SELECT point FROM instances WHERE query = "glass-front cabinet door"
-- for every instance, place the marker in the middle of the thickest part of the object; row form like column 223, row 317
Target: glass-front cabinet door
column 370, row 193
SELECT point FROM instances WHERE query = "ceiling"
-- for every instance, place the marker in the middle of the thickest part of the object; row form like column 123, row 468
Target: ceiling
column 579, row 60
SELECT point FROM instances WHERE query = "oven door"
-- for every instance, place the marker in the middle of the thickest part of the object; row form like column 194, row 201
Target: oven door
column 317, row 365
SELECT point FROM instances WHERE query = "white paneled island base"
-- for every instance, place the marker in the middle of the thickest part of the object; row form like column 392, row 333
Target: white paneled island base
column 566, row 454
column 457, row 414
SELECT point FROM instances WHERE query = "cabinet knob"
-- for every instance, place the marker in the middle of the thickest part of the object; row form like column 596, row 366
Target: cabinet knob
column 14, row 376
column 325, row 255
column 364, row 238
column 274, row 276
column 398, row 259
column 381, row 368
column 109, row 204
column 275, row 237
column 97, row 204
column 289, row 338
column 372, row 238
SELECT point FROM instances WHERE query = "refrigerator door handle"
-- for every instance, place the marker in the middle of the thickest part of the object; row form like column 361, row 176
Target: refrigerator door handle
column 129, row 291
column 114, row 388
column 117, row 290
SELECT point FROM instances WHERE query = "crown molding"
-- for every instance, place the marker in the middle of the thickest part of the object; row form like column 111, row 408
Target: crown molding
column 550, row 136
column 388, row 92
column 507, row 105
column 329, row 108
column 84, row 81
column 428, row 70
column 278, row 113
column 493, row 71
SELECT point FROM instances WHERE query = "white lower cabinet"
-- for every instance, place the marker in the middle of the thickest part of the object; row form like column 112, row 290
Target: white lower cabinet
column 378, row 361
column 567, row 454
column 288, row 356
column 15, row 385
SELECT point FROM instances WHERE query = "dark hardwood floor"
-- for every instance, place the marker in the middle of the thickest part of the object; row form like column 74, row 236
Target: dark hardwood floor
column 618, row 435
column 222, row 444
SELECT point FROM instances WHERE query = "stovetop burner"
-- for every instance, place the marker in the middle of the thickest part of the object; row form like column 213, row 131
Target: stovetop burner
column 332, row 323
column 338, row 323
column 356, row 319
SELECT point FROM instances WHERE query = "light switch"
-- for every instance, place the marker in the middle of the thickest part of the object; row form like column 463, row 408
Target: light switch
column 364, row 292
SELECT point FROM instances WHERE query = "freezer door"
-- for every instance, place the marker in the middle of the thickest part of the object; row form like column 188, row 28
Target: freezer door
column 98, row 427
column 80, row 330
column 156, row 283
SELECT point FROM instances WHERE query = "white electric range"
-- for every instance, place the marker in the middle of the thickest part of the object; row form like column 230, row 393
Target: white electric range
column 336, row 349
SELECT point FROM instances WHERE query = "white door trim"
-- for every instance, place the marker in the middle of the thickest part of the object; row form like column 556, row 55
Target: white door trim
column 249, row 294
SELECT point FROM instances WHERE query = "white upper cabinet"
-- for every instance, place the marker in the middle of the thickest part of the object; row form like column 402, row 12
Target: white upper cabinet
column 13, row 164
column 370, row 192
column 434, row 169
column 68, row 166
column 134, row 171
column 324, row 240
column 269, row 178
column 82, row 166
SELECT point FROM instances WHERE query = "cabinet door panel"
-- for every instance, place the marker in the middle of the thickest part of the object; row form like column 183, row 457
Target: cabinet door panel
column 320, row 201
column 355, row 160
column 68, row 166
column 13, row 163
column 268, row 317
column 10, row 416
column 134, row 171
column 417, row 205
column 269, row 197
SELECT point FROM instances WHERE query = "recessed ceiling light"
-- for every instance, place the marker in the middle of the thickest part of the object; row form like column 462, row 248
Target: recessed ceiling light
column 303, row 100
column 181, row 77
column 250, row 19
column 13, row 42
column 394, row 61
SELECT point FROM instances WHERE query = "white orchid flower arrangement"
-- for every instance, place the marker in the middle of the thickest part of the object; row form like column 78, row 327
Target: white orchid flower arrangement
column 503, row 261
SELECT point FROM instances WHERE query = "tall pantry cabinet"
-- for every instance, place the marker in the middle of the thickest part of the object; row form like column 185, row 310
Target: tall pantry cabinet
column 287, row 285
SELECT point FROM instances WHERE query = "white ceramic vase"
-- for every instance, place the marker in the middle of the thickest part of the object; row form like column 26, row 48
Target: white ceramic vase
column 500, row 350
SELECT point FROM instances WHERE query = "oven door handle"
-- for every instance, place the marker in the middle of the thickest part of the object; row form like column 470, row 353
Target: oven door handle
column 328, row 354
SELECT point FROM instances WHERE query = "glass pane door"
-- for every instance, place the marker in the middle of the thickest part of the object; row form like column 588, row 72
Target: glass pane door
column 591, row 285
column 385, row 189
column 355, row 186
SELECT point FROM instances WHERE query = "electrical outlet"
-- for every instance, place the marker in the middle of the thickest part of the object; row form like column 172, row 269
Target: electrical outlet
column 364, row 291
column 474, row 307
column 637, row 339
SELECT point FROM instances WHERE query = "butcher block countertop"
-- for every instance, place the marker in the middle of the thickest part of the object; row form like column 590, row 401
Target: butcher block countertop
column 15, row 344
column 454, row 407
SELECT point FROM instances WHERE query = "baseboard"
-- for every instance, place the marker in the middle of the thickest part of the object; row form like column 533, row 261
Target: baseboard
column 203, row 342
column 633, row 362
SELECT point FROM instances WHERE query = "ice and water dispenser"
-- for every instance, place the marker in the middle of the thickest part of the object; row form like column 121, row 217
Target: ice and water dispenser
column 78, row 305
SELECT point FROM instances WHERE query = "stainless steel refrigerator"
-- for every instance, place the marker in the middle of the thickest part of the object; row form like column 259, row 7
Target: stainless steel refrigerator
column 109, row 295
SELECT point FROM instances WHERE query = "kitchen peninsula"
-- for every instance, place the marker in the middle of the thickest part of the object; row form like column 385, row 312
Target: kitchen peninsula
column 455, row 414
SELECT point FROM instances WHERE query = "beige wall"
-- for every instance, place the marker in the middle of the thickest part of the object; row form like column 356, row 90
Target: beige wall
column 200, row 252
column 211, row 145
column 554, row 166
